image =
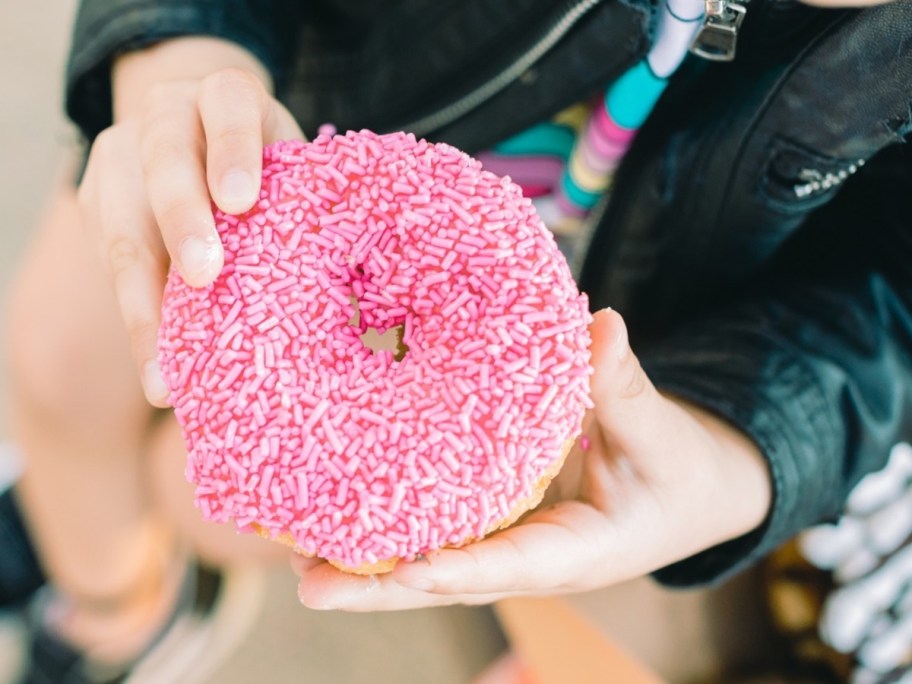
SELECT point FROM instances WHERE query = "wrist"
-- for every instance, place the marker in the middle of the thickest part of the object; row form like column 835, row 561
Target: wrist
column 739, row 488
column 179, row 59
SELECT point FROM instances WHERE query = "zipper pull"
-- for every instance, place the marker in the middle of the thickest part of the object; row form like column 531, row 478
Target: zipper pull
column 716, row 39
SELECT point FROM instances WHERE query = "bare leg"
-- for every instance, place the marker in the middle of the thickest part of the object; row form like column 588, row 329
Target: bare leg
column 79, row 414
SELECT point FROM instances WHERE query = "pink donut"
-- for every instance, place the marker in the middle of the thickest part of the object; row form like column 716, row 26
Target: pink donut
column 299, row 431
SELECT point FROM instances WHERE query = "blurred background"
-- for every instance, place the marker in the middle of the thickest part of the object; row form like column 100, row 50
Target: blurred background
column 682, row 636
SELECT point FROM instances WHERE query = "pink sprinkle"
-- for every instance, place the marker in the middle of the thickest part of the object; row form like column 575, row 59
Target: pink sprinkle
column 333, row 437
column 266, row 479
column 229, row 335
column 546, row 400
column 302, row 495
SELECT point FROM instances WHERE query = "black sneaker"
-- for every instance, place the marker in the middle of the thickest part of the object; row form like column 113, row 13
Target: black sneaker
column 20, row 573
column 215, row 609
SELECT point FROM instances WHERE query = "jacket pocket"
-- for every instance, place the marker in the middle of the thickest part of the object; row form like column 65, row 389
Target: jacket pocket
column 796, row 179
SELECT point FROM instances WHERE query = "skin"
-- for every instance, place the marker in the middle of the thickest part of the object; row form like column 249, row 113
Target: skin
column 191, row 117
column 638, row 499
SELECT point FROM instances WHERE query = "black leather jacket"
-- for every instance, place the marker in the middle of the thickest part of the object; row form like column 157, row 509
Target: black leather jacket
column 759, row 237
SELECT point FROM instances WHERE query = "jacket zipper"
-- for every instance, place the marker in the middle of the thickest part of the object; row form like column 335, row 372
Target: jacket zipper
column 717, row 38
column 569, row 16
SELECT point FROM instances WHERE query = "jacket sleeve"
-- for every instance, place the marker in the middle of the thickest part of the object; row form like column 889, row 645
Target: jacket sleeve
column 815, row 364
column 105, row 28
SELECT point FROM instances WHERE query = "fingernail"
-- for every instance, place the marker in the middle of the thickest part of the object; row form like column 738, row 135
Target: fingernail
column 201, row 259
column 153, row 382
column 238, row 188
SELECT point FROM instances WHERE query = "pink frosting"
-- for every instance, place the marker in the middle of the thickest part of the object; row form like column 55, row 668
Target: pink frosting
column 293, row 424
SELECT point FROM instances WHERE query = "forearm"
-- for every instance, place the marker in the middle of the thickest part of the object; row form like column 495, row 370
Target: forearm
column 735, row 481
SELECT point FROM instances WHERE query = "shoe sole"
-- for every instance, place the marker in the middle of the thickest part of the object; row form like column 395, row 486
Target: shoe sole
column 195, row 647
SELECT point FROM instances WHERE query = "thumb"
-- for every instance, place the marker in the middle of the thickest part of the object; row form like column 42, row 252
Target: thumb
column 627, row 404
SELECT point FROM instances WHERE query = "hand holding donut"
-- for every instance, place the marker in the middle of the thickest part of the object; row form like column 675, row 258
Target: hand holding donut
column 660, row 480
column 191, row 118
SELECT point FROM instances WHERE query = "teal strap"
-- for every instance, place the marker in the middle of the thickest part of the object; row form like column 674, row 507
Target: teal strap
column 546, row 138
column 633, row 96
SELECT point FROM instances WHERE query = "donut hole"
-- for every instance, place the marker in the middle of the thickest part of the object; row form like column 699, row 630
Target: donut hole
column 385, row 340
column 378, row 340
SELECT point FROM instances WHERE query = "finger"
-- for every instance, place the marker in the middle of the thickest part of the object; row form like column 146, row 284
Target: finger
column 115, row 205
column 627, row 405
column 554, row 549
column 323, row 587
column 233, row 105
column 172, row 161
column 138, row 285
